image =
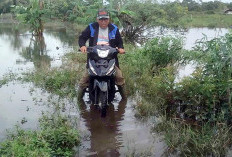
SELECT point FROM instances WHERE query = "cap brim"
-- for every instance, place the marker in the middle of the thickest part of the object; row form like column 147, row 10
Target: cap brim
column 103, row 17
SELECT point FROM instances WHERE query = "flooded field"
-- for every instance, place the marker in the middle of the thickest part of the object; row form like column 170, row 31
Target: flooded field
column 119, row 134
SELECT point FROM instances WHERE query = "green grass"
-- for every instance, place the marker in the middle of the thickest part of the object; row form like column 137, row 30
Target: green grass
column 74, row 27
column 56, row 137
column 206, row 20
column 150, row 72
column 61, row 81
column 185, row 139
column 7, row 78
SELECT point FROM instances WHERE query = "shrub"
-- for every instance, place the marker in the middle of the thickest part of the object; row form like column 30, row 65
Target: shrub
column 186, row 140
column 208, row 90
column 56, row 138
column 163, row 51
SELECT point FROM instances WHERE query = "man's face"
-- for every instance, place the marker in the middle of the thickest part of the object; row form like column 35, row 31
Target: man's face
column 103, row 22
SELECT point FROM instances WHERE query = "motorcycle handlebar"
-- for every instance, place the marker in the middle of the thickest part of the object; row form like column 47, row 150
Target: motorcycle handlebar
column 90, row 49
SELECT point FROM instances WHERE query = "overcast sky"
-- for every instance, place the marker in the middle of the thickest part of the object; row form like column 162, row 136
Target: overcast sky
column 225, row 1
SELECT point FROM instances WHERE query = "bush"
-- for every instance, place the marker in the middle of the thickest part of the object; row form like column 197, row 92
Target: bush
column 56, row 138
column 151, row 72
column 186, row 140
column 208, row 90
column 163, row 51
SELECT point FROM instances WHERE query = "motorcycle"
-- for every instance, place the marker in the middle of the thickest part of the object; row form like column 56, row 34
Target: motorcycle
column 101, row 68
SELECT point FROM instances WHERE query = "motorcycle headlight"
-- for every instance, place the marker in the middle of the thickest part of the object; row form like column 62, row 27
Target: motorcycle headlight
column 103, row 53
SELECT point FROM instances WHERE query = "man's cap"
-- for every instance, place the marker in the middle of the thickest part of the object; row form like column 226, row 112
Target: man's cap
column 102, row 13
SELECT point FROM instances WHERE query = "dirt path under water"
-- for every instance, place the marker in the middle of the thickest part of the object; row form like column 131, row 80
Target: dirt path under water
column 118, row 134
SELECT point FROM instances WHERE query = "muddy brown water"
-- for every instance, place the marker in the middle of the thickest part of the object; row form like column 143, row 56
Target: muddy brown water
column 119, row 134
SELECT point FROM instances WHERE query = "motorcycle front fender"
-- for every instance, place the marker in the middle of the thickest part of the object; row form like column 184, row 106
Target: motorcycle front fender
column 103, row 86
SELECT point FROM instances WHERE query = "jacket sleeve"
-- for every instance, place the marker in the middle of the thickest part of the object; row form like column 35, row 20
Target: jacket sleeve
column 85, row 35
column 119, row 41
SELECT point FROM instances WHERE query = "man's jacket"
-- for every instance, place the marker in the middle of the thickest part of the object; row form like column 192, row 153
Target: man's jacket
column 91, row 33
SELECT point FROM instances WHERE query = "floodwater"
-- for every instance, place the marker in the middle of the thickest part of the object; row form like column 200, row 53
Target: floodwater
column 119, row 134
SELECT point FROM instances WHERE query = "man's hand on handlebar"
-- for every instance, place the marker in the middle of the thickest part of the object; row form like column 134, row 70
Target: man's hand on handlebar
column 121, row 50
column 83, row 49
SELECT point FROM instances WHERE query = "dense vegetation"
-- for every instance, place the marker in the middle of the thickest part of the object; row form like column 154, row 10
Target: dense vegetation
column 68, row 9
column 133, row 16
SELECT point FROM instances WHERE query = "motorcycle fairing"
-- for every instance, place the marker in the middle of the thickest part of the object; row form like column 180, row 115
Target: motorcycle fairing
column 103, row 86
column 101, row 67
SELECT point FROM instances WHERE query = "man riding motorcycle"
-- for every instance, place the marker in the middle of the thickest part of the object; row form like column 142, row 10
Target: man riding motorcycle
column 98, row 33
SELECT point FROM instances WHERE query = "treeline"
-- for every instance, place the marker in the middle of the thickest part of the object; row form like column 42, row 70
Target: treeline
column 63, row 7
column 210, row 7
column 133, row 16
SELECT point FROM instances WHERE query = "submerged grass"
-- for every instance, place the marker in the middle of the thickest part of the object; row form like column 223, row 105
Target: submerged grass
column 57, row 81
column 7, row 78
column 61, row 81
column 56, row 135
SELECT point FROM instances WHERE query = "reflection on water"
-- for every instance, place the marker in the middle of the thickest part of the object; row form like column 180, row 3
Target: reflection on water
column 189, row 36
column 118, row 134
column 19, row 50
column 36, row 52
column 104, row 130
column 194, row 35
column 18, row 105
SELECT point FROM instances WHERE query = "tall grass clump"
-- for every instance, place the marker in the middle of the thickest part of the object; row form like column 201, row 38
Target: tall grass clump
column 152, row 70
column 56, row 137
column 184, row 139
column 162, row 51
column 207, row 92
column 201, row 122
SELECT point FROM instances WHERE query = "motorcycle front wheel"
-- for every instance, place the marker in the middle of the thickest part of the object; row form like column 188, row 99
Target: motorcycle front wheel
column 103, row 100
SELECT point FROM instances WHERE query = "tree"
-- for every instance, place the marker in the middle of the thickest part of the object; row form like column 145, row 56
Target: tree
column 192, row 5
column 5, row 6
column 174, row 11
column 140, row 16
column 229, row 6
column 32, row 15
